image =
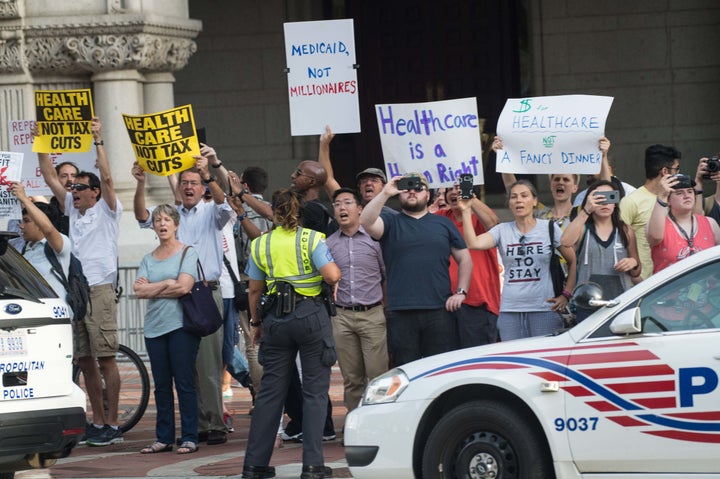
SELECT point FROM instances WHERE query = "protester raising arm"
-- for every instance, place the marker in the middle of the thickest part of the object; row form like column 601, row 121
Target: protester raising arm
column 370, row 216
column 52, row 235
column 107, row 188
column 139, row 207
column 331, row 184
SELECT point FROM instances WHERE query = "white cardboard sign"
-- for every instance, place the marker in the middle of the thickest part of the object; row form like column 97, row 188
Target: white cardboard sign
column 440, row 139
column 322, row 81
column 552, row 134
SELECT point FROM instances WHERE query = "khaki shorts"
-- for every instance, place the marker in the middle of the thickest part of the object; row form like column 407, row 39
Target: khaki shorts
column 96, row 334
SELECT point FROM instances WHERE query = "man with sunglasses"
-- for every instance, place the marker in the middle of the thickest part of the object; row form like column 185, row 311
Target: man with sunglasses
column 416, row 247
column 94, row 211
column 307, row 179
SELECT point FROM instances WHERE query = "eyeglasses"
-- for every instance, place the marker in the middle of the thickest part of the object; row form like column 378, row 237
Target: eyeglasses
column 299, row 172
column 369, row 179
column 417, row 188
column 673, row 169
column 346, row 204
column 79, row 186
column 189, row 183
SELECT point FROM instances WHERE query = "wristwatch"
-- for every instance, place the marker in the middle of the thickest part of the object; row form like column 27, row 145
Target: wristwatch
column 209, row 180
column 217, row 165
column 255, row 324
column 461, row 291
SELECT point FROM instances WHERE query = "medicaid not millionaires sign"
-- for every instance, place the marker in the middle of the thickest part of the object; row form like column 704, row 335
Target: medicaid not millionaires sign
column 166, row 142
column 322, row 80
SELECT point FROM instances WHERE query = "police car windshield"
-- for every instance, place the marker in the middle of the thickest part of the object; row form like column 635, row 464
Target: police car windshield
column 18, row 279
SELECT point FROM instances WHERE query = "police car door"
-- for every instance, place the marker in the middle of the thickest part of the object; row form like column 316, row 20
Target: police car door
column 650, row 402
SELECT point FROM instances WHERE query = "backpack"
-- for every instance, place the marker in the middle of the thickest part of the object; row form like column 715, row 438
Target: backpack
column 76, row 284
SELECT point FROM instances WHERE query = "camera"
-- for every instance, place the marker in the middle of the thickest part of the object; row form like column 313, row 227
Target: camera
column 610, row 196
column 410, row 183
column 684, row 181
column 466, row 186
column 713, row 166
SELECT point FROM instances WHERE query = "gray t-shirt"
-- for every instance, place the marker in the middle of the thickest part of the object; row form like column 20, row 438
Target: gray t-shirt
column 526, row 259
column 165, row 314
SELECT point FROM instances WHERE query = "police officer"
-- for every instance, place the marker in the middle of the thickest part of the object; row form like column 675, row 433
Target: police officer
column 292, row 261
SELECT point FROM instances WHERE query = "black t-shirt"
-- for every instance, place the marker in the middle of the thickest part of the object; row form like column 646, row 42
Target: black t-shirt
column 315, row 215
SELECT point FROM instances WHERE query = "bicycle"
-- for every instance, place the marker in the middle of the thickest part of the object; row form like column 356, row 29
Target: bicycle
column 134, row 388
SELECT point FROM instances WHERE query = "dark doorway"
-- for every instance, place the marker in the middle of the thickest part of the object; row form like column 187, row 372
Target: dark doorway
column 415, row 51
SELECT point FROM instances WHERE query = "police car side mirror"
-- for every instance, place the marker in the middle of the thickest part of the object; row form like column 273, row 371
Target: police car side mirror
column 627, row 322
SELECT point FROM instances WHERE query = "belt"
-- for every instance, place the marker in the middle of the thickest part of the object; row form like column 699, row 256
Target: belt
column 360, row 307
column 301, row 297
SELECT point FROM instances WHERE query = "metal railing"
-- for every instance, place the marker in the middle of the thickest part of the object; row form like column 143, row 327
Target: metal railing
column 131, row 312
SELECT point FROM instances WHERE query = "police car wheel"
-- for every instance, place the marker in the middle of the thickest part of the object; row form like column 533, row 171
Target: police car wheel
column 485, row 440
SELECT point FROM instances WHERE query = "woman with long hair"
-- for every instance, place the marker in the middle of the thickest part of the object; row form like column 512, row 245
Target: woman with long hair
column 163, row 276
column 287, row 267
column 605, row 247
column 528, row 304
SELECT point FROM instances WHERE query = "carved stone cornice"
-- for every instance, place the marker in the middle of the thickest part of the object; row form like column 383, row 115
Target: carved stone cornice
column 98, row 53
column 9, row 9
column 11, row 60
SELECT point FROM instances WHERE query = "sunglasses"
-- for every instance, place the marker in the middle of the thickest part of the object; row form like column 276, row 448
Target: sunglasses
column 79, row 186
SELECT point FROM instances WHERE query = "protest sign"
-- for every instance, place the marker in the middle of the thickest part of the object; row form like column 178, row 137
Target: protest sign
column 322, row 81
column 440, row 139
column 10, row 167
column 21, row 141
column 63, row 118
column 552, row 134
column 164, row 142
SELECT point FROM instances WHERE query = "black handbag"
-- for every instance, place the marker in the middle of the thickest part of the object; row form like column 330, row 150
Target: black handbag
column 557, row 273
column 200, row 312
column 240, row 289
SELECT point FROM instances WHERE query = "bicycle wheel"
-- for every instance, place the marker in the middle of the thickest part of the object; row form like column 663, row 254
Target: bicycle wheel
column 134, row 388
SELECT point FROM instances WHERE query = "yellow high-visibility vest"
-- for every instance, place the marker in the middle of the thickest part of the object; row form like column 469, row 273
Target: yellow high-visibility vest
column 284, row 255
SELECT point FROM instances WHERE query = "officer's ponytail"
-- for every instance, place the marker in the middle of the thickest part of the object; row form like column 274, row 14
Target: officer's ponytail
column 286, row 209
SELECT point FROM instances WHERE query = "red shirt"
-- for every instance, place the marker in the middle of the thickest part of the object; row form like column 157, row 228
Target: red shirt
column 484, row 287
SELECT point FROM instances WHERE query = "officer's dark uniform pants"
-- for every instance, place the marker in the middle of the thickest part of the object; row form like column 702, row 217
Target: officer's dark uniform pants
column 308, row 330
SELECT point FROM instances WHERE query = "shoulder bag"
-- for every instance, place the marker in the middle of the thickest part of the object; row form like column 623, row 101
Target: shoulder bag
column 200, row 312
column 556, row 270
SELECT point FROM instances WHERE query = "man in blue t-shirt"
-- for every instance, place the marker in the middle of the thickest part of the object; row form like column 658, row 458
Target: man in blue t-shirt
column 416, row 247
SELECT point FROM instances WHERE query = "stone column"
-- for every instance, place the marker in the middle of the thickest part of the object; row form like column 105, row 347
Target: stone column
column 158, row 95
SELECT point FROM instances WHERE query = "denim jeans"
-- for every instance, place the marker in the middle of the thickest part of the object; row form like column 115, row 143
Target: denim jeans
column 172, row 358
column 231, row 334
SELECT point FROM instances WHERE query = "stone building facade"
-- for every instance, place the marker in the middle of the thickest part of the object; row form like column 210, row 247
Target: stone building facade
column 226, row 57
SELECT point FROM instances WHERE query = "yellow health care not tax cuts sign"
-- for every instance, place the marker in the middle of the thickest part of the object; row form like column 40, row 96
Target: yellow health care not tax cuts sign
column 63, row 118
column 164, row 142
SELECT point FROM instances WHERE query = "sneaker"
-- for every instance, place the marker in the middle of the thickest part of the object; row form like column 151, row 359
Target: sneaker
column 294, row 437
column 228, row 420
column 88, row 432
column 329, row 437
column 107, row 435
column 227, row 394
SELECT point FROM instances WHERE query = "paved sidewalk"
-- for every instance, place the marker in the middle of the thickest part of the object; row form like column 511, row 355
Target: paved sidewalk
column 225, row 460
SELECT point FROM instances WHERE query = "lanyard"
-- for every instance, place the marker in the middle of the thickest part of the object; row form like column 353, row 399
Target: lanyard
column 689, row 238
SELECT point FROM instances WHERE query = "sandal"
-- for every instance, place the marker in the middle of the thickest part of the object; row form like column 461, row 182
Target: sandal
column 156, row 447
column 187, row 447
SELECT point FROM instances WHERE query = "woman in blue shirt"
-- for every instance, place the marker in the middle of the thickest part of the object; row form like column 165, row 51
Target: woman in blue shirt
column 164, row 275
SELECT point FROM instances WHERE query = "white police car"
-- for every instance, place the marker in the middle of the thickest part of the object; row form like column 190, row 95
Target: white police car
column 632, row 391
column 42, row 411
